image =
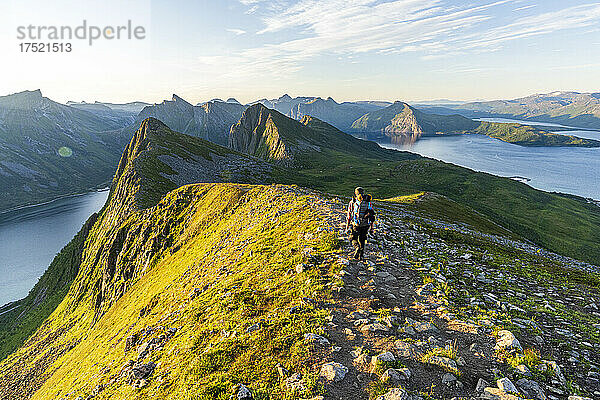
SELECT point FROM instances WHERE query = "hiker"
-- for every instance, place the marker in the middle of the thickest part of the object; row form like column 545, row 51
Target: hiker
column 359, row 221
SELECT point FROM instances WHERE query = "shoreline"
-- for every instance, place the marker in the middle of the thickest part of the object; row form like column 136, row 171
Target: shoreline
column 104, row 189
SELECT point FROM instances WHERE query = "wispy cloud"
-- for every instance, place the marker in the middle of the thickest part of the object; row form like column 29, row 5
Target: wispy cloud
column 428, row 28
column 525, row 7
column 236, row 31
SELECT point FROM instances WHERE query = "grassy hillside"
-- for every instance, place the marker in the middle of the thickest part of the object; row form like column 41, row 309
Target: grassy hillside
column 219, row 284
column 197, row 295
column 525, row 135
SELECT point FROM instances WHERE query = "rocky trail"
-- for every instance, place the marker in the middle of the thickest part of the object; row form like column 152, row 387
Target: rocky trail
column 429, row 315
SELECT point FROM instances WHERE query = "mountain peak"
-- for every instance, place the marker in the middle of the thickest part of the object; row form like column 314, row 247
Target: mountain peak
column 25, row 99
column 285, row 97
column 232, row 100
column 178, row 99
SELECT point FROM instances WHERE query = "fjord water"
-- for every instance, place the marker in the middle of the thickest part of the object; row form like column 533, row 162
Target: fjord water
column 567, row 130
column 31, row 237
column 570, row 170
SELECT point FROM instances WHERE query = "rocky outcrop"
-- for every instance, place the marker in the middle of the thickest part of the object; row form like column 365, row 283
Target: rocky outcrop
column 400, row 120
column 210, row 121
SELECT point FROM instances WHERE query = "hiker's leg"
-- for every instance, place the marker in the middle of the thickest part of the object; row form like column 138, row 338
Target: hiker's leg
column 362, row 240
column 355, row 239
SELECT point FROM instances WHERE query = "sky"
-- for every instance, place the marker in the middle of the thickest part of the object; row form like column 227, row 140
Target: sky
column 406, row 50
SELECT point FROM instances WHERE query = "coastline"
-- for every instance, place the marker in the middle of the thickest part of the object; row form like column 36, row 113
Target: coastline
column 66, row 196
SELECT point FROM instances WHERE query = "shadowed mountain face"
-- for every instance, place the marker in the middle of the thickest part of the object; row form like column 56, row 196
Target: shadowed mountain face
column 565, row 108
column 49, row 149
column 210, row 121
column 268, row 134
column 340, row 115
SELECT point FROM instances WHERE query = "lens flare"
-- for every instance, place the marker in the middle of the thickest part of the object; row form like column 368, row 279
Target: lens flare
column 65, row 152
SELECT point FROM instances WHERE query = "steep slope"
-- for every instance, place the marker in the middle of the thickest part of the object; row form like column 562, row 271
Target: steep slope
column 49, row 150
column 339, row 115
column 147, row 251
column 400, row 119
column 232, row 288
column 270, row 135
column 565, row 108
column 210, row 121
column 156, row 161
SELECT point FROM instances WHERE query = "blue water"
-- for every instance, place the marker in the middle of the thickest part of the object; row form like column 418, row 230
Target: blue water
column 570, row 170
column 31, row 237
column 568, row 130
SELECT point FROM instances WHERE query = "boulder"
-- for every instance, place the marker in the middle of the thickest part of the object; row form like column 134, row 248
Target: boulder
column 394, row 394
column 443, row 362
column 333, row 372
column 481, row 385
column 492, row 393
column 506, row 385
column 531, row 389
column 386, row 356
column 426, row 289
column 242, row 393
column 376, row 327
column 448, row 379
column 393, row 375
column 523, row 370
column 142, row 371
column 313, row 338
column 507, row 341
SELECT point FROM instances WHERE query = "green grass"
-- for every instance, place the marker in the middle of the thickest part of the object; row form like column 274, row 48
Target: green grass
column 248, row 282
column 526, row 135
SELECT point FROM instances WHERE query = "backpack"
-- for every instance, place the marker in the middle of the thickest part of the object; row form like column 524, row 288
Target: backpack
column 362, row 213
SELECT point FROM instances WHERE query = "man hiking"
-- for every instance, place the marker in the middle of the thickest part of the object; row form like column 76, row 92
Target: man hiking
column 359, row 221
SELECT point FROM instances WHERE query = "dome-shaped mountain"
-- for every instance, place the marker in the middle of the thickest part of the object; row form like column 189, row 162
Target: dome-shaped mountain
column 400, row 119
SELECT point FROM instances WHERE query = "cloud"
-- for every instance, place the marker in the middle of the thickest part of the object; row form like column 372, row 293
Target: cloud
column 236, row 31
column 525, row 7
column 429, row 29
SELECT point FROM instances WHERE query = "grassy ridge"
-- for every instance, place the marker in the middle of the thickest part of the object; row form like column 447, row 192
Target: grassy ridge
column 208, row 290
column 564, row 224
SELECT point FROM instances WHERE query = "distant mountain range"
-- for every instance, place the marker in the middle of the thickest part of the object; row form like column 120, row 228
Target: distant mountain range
column 565, row 108
column 133, row 107
column 210, row 121
column 49, row 149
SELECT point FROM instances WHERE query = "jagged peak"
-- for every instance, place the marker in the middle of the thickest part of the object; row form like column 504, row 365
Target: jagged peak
column 25, row 95
column 178, row 99
column 138, row 142
column 285, row 97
